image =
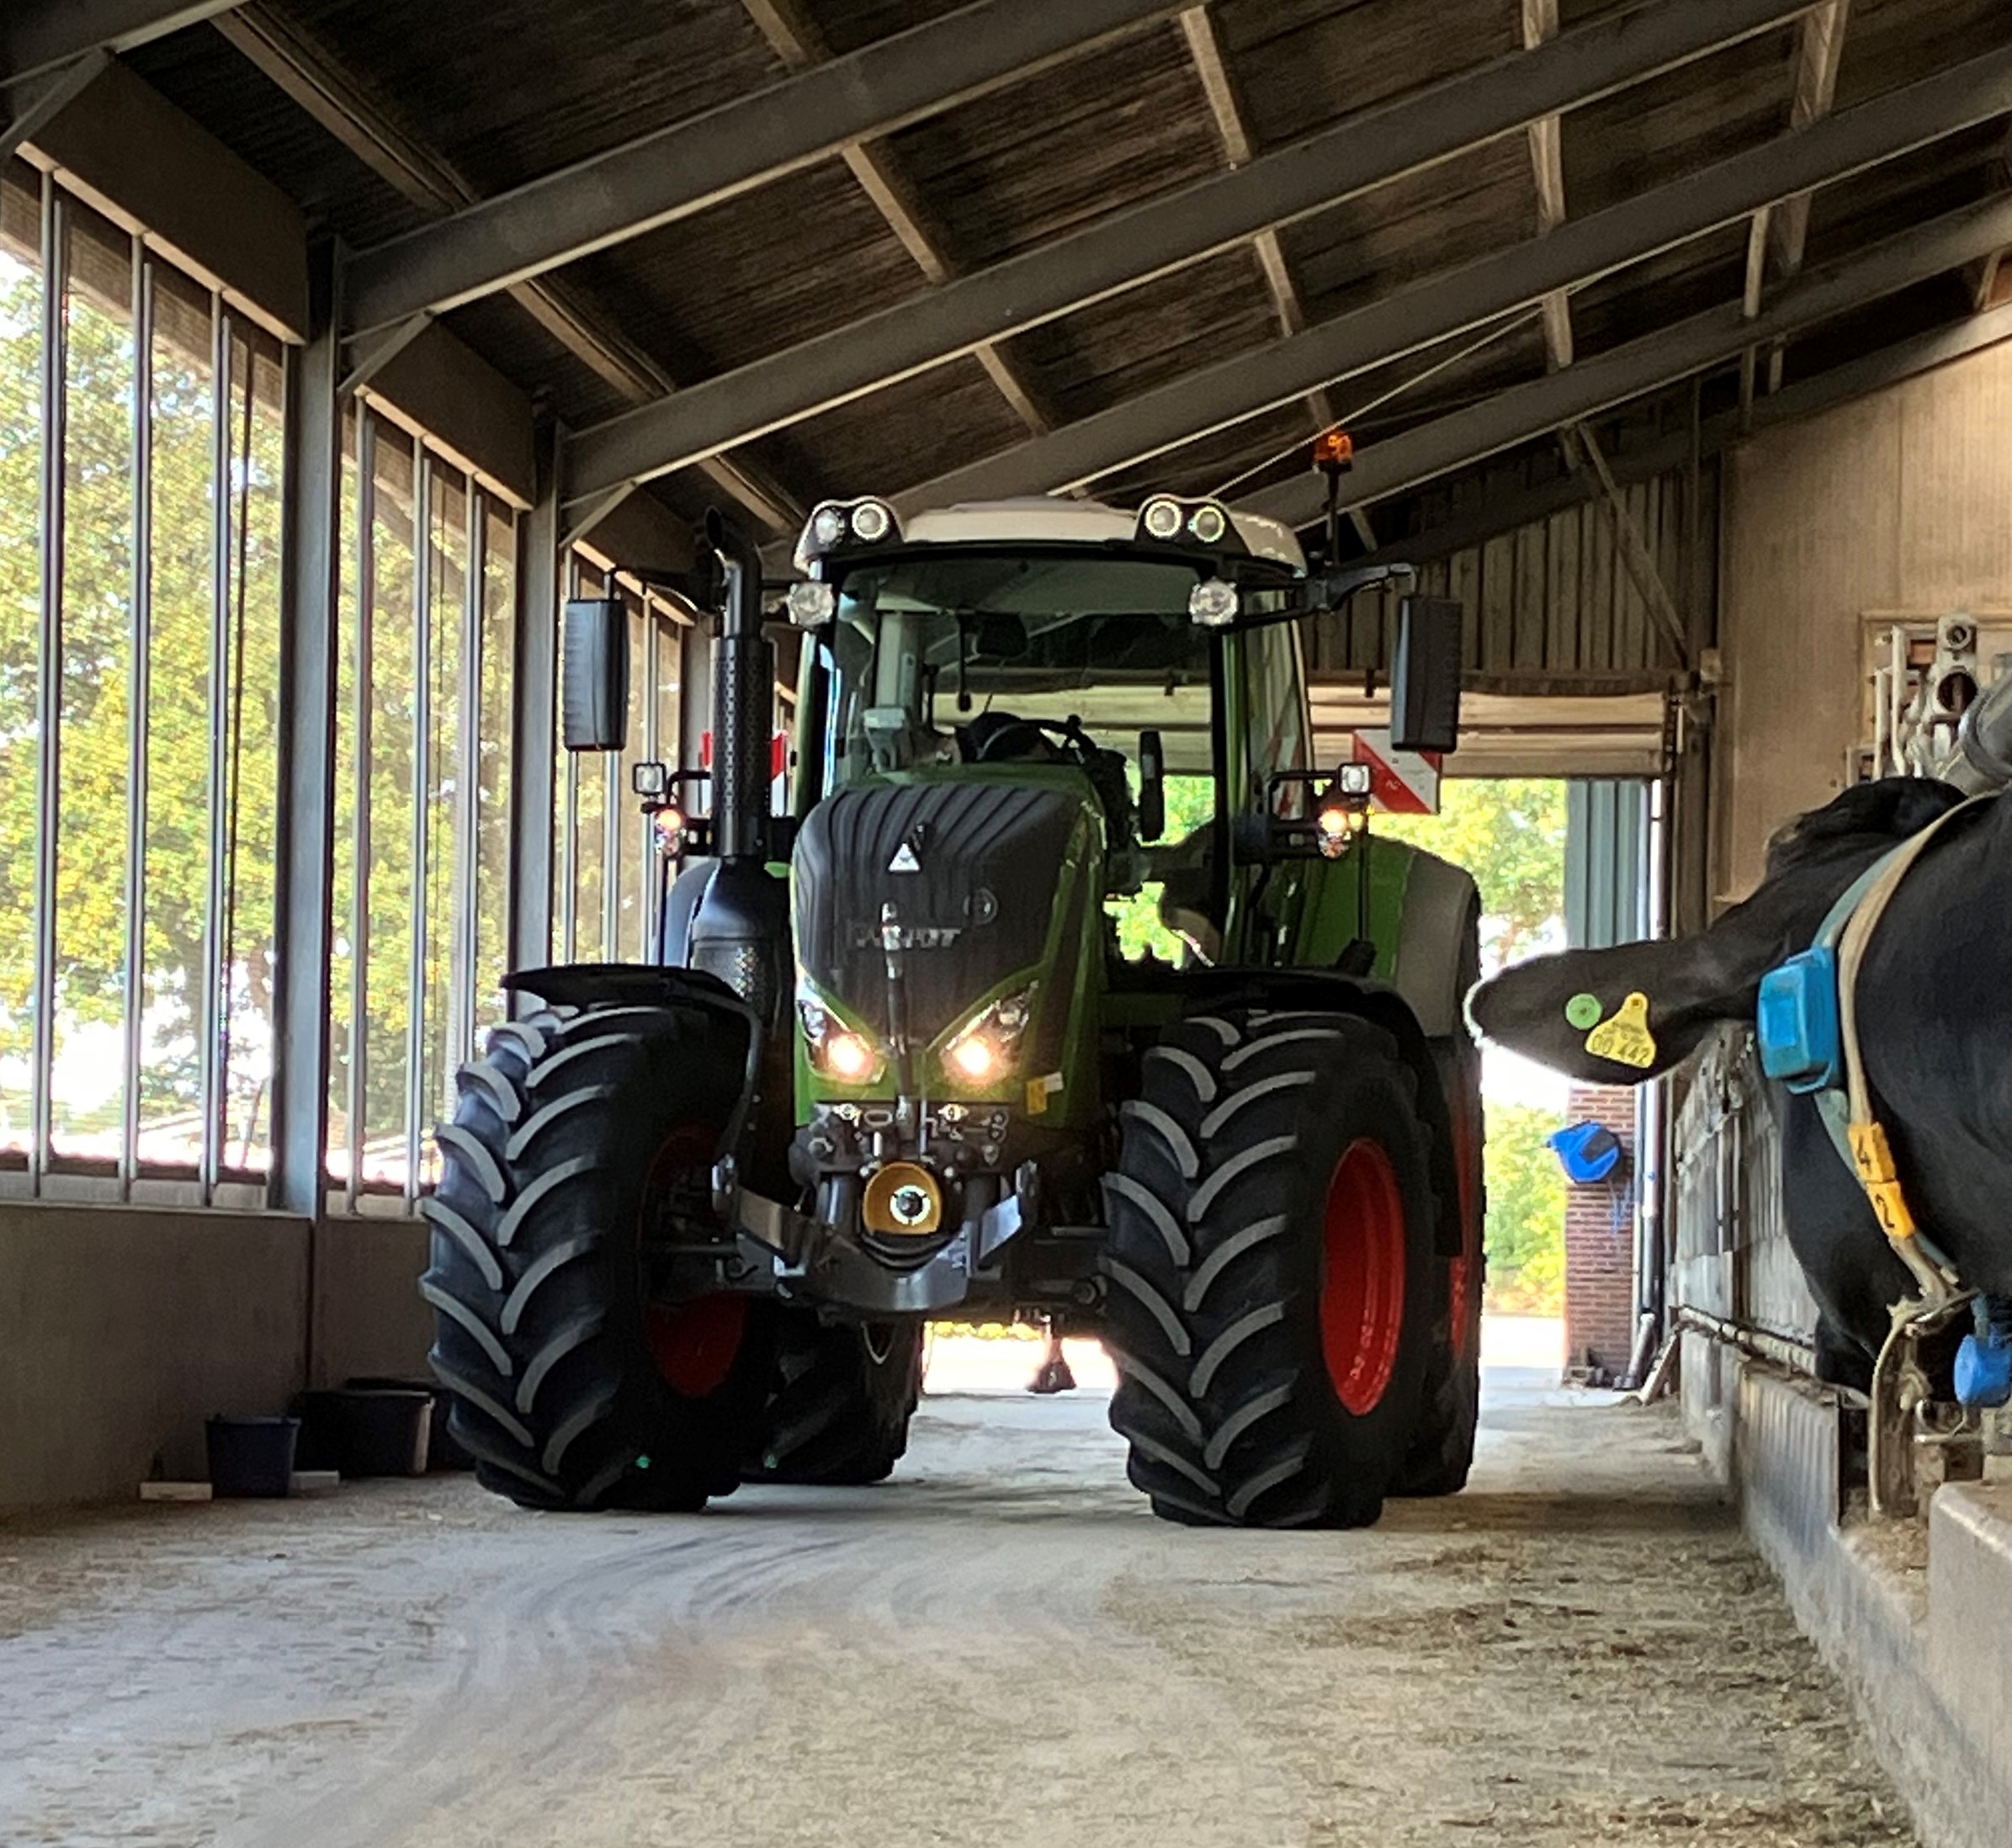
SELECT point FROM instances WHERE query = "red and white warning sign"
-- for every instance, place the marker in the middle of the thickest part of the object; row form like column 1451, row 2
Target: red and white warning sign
column 1402, row 781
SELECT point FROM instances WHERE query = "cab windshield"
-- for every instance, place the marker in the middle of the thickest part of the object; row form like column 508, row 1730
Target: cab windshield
column 967, row 657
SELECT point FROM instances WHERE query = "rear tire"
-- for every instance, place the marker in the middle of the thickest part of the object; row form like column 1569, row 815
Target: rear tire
column 1268, row 1270
column 1443, row 1448
column 842, row 1399
column 572, row 1387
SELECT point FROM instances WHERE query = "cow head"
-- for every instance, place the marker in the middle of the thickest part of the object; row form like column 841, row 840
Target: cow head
column 1621, row 1015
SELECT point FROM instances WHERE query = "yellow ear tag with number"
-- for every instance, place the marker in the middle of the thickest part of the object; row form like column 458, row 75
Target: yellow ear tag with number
column 1624, row 1037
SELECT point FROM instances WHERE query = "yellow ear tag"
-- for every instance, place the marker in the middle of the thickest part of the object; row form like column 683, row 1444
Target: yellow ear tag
column 1625, row 1038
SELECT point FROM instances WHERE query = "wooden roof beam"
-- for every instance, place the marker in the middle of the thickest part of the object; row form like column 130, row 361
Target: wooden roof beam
column 42, row 35
column 1487, row 289
column 1784, row 228
column 727, row 152
column 1548, row 169
column 795, row 38
column 1386, row 142
column 1212, row 70
column 1705, row 341
column 317, row 84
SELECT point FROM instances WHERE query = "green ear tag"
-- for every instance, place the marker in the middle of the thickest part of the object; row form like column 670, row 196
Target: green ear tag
column 1584, row 1010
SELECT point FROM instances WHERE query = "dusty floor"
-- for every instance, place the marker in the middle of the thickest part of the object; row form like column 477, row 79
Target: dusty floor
column 1000, row 1646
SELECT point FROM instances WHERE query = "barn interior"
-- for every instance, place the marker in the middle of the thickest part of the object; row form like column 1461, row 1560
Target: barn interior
column 343, row 343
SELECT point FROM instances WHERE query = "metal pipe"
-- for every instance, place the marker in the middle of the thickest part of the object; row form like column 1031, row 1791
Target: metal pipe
column 742, row 696
column 215, row 997
column 139, row 694
column 422, row 722
column 356, row 1098
column 49, row 700
column 461, row 988
column 1787, row 1351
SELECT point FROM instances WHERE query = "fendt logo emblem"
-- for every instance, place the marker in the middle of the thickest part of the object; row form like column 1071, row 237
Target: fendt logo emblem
column 908, row 857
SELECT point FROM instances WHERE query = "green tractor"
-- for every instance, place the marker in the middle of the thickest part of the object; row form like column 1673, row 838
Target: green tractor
column 892, row 1069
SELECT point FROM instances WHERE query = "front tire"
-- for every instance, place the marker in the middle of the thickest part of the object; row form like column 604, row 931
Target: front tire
column 1268, row 1269
column 842, row 1402
column 576, row 1382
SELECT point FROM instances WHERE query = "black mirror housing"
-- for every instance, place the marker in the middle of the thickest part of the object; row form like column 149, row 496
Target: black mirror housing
column 1425, row 674
column 594, row 698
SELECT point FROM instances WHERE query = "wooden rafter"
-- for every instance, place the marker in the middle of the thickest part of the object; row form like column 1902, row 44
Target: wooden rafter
column 795, row 38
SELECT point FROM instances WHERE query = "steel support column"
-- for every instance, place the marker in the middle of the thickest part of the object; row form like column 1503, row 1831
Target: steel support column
column 308, row 640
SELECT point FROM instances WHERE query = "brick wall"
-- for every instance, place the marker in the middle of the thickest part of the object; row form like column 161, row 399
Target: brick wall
column 1600, row 1243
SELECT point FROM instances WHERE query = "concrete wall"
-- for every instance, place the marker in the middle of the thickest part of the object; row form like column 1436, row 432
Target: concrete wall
column 122, row 1327
column 1900, row 503
column 1923, row 1656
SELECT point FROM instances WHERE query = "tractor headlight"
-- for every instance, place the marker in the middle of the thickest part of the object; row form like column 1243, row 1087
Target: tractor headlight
column 1213, row 604
column 1209, row 523
column 986, row 1047
column 835, row 524
column 837, row 1051
column 1162, row 519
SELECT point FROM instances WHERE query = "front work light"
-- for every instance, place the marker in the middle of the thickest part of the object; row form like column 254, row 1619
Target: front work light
column 1213, row 604
column 836, row 1051
column 1355, row 779
column 984, row 1046
column 810, row 604
column 1162, row 518
column 1209, row 523
column 871, row 522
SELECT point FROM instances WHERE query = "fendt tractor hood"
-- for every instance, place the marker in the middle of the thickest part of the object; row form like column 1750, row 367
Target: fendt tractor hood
column 986, row 874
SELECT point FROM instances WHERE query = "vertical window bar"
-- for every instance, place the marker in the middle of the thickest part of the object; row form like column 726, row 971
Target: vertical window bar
column 569, row 846
column 356, row 1101
column 422, row 723
column 50, row 684
column 467, row 901
column 215, row 997
column 653, row 640
column 611, row 822
column 140, row 692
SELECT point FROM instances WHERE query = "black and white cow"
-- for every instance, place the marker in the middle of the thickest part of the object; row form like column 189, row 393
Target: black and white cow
column 1935, row 1013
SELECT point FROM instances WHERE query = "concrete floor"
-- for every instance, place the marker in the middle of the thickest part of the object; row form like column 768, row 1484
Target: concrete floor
column 1000, row 1646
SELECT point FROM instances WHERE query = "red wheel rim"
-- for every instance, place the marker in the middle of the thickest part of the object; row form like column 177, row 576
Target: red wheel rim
column 695, row 1344
column 1363, row 1285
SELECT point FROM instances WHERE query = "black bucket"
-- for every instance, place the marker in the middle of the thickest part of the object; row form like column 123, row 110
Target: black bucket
column 252, row 1456
column 381, row 1431
column 444, row 1450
